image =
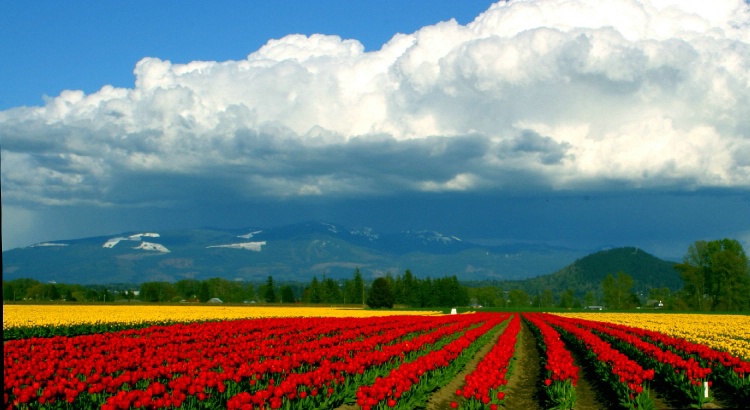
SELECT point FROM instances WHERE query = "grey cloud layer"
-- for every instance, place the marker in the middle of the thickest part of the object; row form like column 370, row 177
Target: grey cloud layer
column 531, row 95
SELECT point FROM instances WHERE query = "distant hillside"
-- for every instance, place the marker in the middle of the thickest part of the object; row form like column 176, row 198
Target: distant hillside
column 288, row 253
column 586, row 274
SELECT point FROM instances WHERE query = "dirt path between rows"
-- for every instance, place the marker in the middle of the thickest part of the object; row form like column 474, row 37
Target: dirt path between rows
column 522, row 391
column 588, row 396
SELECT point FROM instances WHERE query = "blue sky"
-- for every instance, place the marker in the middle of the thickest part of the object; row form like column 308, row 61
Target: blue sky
column 584, row 124
column 51, row 46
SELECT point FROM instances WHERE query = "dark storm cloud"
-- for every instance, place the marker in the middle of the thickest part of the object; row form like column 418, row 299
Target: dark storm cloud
column 548, row 150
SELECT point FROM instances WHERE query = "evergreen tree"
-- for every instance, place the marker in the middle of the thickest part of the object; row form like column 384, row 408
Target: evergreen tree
column 69, row 296
column 391, row 281
column 204, row 294
column 425, row 291
column 347, row 291
column 410, row 290
column 331, row 291
column 461, row 294
column 356, row 294
column 9, row 291
column 315, row 293
column 442, row 295
column 54, row 293
column 287, row 294
column 398, row 291
column 380, row 295
column 270, row 292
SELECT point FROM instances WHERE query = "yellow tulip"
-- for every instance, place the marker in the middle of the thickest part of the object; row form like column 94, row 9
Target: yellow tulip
column 729, row 333
column 67, row 315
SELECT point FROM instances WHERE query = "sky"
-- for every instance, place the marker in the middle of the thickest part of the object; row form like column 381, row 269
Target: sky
column 580, row 123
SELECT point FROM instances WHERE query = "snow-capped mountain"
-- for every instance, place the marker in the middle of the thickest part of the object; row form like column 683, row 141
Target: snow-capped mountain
column 290, row 252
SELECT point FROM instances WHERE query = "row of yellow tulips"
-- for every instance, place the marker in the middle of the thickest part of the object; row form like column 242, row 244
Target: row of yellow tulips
column 57, row 315
column 730, row 333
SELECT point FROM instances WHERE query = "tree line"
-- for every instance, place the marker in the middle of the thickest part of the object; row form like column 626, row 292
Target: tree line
column 404, row 290
column 32, row 289
column 715, row 275
column 387, row 291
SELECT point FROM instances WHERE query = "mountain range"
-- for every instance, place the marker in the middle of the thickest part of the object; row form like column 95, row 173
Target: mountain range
column 293, row 252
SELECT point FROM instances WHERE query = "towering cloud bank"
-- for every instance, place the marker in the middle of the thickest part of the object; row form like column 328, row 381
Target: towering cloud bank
column 536, row 94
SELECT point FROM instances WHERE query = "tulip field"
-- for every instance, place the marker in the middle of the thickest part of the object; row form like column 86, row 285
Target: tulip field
column 374, row 360
column 69, row 320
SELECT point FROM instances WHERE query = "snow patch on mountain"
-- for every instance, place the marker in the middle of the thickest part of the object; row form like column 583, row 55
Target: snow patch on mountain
column 432, row 236
column 48, row 244
column 149, row 246
column 114, row 241
column 249, row 235
column 331, row 227
column 139, row 236
column 135, row 237
column 368, row 233
column 251, row 246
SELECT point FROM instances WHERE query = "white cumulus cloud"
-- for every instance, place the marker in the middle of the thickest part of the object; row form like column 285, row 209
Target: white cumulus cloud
column 532, row 94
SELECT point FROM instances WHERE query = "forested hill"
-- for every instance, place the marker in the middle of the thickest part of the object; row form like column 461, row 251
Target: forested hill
column 586, row 274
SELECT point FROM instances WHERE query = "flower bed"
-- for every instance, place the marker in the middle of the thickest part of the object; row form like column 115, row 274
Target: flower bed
column 561, row 374
column 484, row 385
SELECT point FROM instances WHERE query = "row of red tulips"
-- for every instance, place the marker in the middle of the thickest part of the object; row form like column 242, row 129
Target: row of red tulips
column 630, row 357
column 731, row 372
column 280, row 379
column 627, row 379
column 340, row 378
column 391, row 388
column 483, row 385
column 560, row 371
column 685, row 376
column 142, row 354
